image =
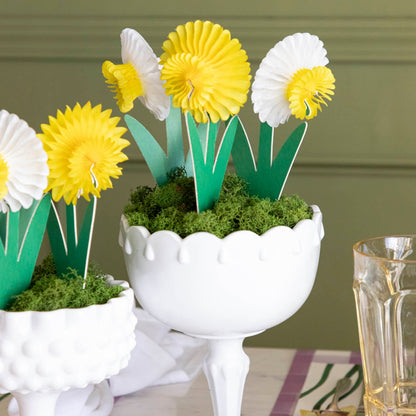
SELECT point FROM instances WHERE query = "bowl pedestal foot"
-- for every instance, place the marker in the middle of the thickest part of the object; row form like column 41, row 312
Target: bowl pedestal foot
column 226, row 367
column 37, row 404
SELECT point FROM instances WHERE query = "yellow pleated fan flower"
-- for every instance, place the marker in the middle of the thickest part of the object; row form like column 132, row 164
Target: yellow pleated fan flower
column 84, row 146
column 312, row 86
column 205, row 71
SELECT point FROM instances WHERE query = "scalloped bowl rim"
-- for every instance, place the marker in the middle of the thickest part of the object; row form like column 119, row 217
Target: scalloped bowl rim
column 145, row 233
column 112, row 282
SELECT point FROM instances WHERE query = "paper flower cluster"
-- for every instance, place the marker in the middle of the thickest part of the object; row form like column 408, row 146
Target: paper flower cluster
column 77, row 155
column 205, row 73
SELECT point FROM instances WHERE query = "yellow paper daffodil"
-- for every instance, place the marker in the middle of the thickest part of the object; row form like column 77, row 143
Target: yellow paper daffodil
column 84, row 146
column 138, row 76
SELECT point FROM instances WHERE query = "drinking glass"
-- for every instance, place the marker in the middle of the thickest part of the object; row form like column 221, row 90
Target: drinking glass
column 385, row 295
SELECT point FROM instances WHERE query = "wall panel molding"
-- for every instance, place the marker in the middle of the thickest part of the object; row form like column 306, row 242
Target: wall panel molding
column 318, row 167
column 347, row 39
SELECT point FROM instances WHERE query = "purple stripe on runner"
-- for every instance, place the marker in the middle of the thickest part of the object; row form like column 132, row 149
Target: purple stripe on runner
column 295, row 379
column 332, row 359
column 355, row 357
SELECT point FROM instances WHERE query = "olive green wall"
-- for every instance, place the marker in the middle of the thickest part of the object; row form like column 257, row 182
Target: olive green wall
column 358, row 161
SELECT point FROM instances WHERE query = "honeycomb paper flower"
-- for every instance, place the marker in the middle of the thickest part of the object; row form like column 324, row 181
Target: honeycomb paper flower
column 84, row 146
column 206, row 72
column 137, row 77
column 23, row 164
column 292, row 79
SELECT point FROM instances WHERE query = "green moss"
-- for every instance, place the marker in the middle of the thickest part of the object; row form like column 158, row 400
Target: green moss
column 172, row 207
column 48, row 292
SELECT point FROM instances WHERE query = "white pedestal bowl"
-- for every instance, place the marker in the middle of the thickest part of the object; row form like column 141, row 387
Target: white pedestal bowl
column 223, row 289
column 45, row 353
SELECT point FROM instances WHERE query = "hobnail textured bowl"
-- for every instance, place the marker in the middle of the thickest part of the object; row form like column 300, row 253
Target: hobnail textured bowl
column 217, row 288
column 65, row 348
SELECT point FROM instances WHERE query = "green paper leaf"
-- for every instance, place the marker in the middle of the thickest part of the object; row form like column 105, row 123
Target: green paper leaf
column 32, row 225
column 266, row 179
column 74, row 251
column 160, row 163
column 209, row 170
column 242, row 153
column 283, row 162
column 22, row 234
column 56, row 237
column 154, row 155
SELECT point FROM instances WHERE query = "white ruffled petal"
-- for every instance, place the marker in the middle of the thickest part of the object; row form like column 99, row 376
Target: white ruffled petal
column 26, row 161
column 137, row 51
column 12, row 203
column 301, row 50
column 21, row 197
column 3, row 206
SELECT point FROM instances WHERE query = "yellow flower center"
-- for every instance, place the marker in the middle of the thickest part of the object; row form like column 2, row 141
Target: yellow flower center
column 85, row 158
column 197, row 80
column 312, row 86
column 4, row 175
column 125, row 82
column 195, row 75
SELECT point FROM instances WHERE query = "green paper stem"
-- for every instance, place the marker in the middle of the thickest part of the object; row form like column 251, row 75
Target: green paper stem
column 12, row 235
column 209, row 170
column 265, row 156
column 71, row 228
column 203, row 132
column 175, row 154
column 3, row 230
column 268, row 178
column 21, row 237
column 160, row 163
column 74, row 251
column 308, row 109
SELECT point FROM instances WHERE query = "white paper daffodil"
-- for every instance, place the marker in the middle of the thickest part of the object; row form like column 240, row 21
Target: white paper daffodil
column 137, row 77
column 292, row 79
column 23, row 164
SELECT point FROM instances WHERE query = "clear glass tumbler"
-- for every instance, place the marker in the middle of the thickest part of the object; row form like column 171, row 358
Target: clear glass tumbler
column 385, row 295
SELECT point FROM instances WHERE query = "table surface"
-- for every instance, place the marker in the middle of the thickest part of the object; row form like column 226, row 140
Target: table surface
column 268, row 370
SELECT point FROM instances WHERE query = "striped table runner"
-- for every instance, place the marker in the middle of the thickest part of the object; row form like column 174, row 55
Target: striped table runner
column 311, row 380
